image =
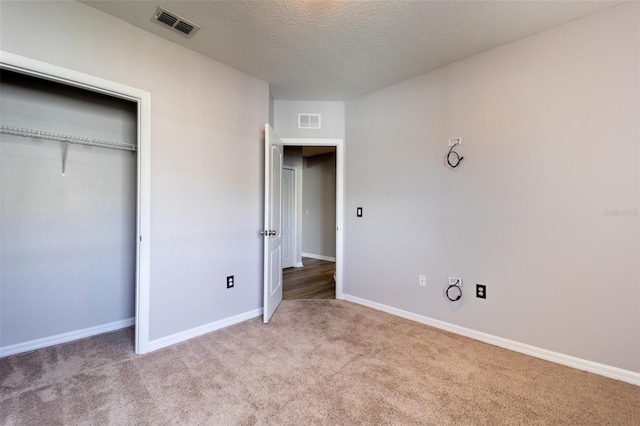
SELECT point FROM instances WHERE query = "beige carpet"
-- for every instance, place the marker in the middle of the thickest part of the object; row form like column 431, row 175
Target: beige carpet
column 318, row 362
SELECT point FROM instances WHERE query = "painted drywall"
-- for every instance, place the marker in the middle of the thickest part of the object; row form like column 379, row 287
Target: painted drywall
column 312, row 236
column 293, row 158
column 207, row 125
column 543, row 209
column 271, row 109
column 67, row 243
column 319, row 205
column 286, row 119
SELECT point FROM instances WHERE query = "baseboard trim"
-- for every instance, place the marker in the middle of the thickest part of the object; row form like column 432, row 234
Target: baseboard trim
column 319, row 257
column 298, row 265
column 568, row 360
column 65, row 337
column 163, row 342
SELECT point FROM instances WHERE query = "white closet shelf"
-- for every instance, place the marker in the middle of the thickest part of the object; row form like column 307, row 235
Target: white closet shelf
column 78, row 140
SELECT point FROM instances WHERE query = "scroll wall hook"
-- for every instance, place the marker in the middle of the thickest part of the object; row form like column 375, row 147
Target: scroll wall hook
column 64, row 156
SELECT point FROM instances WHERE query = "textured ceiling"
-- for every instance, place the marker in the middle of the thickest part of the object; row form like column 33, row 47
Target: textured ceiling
column 337, row 50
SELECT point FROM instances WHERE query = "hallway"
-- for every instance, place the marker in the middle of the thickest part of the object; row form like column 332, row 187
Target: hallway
column 313, row 281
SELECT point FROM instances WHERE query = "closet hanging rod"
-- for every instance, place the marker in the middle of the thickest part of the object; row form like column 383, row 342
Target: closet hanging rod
column 78, row 140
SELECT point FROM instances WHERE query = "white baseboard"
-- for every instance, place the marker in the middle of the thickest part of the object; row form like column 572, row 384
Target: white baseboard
column 298, row 265
column 570, row 361
column 319, row 256
column 65, row 337
column 163, row 342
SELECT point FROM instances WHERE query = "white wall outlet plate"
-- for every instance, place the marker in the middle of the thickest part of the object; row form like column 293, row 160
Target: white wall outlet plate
column 455, row 141
column 422, row 280
column 455, row 281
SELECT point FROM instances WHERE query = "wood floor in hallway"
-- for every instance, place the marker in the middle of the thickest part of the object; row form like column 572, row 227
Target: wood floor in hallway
column 313, row 281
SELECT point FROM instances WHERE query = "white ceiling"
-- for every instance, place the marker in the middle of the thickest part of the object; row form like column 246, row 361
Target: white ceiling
column 338, row 50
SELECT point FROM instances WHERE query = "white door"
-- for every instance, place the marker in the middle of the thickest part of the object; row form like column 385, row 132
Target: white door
column 273, row 149
column 288, row 217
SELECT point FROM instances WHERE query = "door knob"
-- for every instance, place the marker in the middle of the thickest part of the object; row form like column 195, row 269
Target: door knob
column 272, row 232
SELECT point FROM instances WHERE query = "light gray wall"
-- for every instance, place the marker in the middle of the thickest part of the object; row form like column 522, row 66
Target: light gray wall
column 544, row 208
column 271, row 109
column 67, row 243
column 286, row 119
column 319, row 205
column 207, row 124
column 314, row 237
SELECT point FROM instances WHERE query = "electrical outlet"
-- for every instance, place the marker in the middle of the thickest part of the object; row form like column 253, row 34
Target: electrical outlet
column 455, row 281
column 422, row 280
column 230, row 281
column 481, row 291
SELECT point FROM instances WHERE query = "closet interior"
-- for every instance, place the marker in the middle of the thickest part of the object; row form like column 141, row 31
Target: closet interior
column 68, row 170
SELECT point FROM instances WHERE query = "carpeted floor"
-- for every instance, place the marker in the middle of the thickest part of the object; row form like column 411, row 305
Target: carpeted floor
column 318, row 362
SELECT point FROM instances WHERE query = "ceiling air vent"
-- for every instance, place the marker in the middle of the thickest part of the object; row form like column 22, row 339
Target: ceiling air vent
column 177, row 23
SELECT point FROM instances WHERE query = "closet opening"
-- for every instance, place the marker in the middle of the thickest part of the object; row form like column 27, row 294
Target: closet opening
column 69, row 212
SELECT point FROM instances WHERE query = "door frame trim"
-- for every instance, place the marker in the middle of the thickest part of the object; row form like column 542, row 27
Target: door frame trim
column 339, row 144
column 295, row 212
column 46, row 71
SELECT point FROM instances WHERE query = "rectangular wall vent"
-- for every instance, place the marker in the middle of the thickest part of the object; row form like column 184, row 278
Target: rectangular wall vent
column 184, row 27
column 309, row 121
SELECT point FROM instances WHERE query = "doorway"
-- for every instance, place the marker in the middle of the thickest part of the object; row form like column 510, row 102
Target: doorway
column 141, row 99
column 317, row 267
